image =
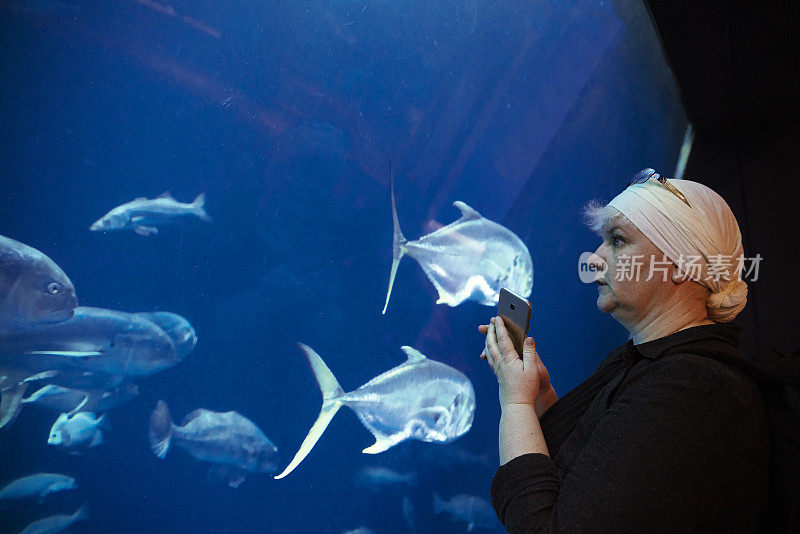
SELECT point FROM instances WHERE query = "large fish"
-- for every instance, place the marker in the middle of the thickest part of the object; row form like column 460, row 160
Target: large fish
column 94, row 350
column 80, row 431
column 144, row 216
column 33, row 289
column 56, row 523
column 94, row 339
column 419, row 399
column 232, row 443
column 471, row 258
column 377, row 478
column 36, row 486
column 180, row 331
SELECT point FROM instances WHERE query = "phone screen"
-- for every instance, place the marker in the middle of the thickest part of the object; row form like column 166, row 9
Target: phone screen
column 516, row 314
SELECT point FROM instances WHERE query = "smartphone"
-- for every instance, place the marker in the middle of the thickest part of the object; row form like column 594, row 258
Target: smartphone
column 516, row 314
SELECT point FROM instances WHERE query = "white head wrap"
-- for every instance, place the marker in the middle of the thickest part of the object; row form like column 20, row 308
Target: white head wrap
column 703, row 240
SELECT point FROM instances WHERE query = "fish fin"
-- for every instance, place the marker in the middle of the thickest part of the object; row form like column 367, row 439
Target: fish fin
column 439, row 504
column 41, row 376
column 398, row 242
column 11, row 403
column 67, row 353
column 41, row 392
column 413, row 355
column 145, row 230
column 467, row 213
column 81, row 514
column 227, row 475
column 383, row 442
column 199, row 204
column 97, row 439
column 160, row 433
column 165, row 194
column 77, row 408
column 331, row 391
column 191, row 416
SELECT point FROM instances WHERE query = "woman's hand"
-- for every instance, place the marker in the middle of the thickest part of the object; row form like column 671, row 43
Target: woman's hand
column 521, row 380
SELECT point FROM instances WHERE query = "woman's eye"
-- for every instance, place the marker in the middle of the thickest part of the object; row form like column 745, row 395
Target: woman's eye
column 54, row 288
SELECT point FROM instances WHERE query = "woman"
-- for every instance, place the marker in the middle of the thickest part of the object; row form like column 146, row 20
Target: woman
column 658, row 439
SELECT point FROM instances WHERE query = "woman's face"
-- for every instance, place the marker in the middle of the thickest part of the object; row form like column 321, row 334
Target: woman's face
column 637, row 275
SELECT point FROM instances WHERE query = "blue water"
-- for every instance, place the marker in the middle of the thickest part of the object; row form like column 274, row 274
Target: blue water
column 287, row 115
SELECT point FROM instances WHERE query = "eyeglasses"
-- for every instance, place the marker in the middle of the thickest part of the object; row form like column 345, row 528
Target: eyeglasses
column 645, row 174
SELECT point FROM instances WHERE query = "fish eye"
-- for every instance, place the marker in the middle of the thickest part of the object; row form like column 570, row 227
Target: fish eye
column 54, row 288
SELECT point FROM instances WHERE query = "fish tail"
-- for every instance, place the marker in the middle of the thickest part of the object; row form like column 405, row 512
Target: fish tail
column 439, row 505
column 199, row 204
column 398, row 244
column 81, row 514
column 160, row 429
column 11, row 403
column 331, row 391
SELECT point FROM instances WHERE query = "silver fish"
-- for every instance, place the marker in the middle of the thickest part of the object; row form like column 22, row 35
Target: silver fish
column 180, row 331
column 475, row 511
column 36, row 486
column 377, row 478
column 95, row 350
column 471, row 258
column 419, row 399
column 33, row 289
column 94, row 339
column 233, row 443
column 56, row 523
column 143, row 215
column 62, row 399
column 79, row 431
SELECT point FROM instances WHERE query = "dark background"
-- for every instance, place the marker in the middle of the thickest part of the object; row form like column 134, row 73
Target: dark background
column 736, row 63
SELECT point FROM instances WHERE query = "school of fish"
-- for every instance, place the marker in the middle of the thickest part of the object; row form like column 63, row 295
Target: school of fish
column 82, row 362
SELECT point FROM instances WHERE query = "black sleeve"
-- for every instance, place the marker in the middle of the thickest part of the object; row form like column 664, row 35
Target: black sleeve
column 681, row 434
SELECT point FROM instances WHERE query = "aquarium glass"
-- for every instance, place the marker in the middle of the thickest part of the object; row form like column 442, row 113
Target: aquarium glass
column 293, row 120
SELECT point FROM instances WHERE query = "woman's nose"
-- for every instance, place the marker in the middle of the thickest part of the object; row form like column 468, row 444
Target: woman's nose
column 600, row 251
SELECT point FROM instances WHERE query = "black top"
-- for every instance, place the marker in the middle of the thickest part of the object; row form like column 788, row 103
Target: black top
column 657, row 440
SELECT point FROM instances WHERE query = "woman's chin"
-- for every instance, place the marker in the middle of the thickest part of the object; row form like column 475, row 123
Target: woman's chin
column 605, row 304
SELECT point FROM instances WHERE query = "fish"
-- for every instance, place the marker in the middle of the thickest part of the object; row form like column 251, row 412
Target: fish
column 13, row 383
column 359, row 530
column 36, row 486
column 409, row 514
column 419, row 399
column 475, row 511
column 34, row 290
column 471, row 258
column 94, row 339
column 56, row 523
column 232, row 443
column 455, row 457
column 97, row 349
column 144, row 216
column 62, row 399
column 79, row 431
column 377, row 478
column 180, row 331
